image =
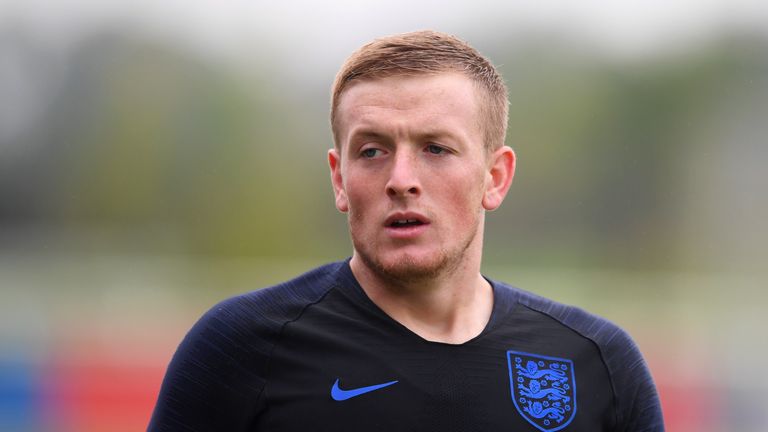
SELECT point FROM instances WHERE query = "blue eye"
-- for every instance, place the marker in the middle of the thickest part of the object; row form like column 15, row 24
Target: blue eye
column 369, row 153
column 435, row 149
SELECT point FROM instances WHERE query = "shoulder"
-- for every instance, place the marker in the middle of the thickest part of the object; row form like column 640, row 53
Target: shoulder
column 638, row 406
column 267, row 309
column 608, row 336
column 216, row 377
column 249, row 325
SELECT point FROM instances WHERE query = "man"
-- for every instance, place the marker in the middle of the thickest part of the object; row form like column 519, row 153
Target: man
column 407, row 335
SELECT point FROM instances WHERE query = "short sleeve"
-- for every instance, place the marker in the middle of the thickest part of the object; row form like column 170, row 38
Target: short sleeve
column 213, row 381
column 638, row 404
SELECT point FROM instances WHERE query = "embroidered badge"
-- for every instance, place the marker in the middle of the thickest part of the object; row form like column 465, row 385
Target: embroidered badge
column 543, row 389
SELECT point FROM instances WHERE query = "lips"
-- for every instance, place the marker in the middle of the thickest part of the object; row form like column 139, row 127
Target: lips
column 405, row 220
column 405, row 223
column 406, row 226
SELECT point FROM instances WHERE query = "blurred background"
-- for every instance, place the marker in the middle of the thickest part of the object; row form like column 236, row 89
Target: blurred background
column 156, row 157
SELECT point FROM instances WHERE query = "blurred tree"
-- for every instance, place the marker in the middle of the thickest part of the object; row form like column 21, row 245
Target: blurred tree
column 605, row 148
column 170, row 152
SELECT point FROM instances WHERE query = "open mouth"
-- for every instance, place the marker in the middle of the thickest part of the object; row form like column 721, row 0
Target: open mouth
column 406, row 220
column 406, row 225
column 403, row 223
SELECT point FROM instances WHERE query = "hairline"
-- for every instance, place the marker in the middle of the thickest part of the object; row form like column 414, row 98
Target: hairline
column 482, row 94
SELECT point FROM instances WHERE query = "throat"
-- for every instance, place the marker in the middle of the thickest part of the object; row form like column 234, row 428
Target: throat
column 449, row 322
column 452, row 313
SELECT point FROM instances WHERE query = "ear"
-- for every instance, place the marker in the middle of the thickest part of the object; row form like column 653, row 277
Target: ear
column 334, row 161
column 501, row 169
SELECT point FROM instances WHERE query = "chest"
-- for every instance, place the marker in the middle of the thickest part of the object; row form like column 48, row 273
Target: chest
column 353, row 376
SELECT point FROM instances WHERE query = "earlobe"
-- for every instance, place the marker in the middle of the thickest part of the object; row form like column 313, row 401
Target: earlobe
column 501, row 170
column 334, row 161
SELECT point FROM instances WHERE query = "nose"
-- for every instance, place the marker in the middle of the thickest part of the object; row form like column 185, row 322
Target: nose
column 403, row 177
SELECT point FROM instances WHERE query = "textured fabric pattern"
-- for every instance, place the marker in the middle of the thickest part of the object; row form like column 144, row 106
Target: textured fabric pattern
column 269, row 360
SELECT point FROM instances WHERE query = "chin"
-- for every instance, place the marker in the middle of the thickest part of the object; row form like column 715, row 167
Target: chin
column 413, row 263
column 408, row 267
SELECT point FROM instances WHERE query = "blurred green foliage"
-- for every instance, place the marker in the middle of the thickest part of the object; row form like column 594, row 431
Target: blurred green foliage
column 605, row 146
column 146, row 147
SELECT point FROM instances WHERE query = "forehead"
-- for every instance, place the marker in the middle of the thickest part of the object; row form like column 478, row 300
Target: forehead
column 434, row 101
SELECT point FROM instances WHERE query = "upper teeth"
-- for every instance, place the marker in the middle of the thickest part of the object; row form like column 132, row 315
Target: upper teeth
column 402, row 221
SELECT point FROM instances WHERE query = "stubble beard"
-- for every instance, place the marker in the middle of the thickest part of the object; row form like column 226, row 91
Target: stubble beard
column 408, row 269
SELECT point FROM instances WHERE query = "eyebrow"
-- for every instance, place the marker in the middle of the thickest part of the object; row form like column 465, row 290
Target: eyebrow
column 437, row 135
column 366, row 133
column 369, row 133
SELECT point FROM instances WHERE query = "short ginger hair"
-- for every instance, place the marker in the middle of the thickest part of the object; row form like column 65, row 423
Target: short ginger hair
column 428, row 52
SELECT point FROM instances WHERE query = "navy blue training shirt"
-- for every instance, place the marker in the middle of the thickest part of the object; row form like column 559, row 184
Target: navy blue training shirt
column 316, row 354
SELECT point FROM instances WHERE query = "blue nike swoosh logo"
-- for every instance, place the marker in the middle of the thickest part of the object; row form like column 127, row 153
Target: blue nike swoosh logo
column 340, row 395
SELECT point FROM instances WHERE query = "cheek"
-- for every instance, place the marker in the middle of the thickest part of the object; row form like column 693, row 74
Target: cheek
column 465, row 192
column 466, row 211
column 358, row 197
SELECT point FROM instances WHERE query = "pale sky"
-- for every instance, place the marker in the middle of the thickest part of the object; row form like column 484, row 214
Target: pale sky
column 324, row 32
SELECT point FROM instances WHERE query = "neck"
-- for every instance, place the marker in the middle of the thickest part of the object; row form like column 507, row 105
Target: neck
column 452, row 308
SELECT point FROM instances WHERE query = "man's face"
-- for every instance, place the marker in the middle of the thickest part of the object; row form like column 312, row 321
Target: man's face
column 413, row 173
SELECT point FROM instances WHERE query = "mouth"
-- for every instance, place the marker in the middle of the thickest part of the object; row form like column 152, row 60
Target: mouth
column 403, row 223
column 406, row 224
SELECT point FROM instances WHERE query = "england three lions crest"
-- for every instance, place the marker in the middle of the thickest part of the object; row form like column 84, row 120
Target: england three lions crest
column 543, row 389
